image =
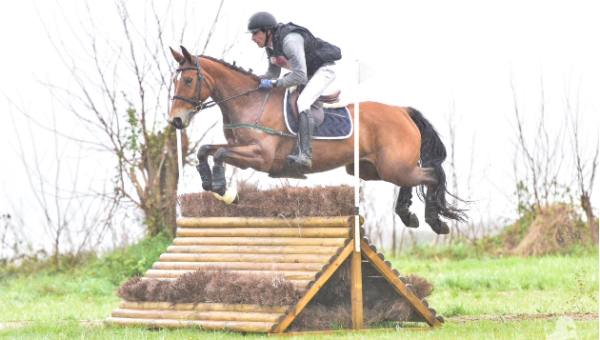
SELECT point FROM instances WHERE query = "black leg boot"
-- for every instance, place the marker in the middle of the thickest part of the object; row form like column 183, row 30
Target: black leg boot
column 402, row 208
column 206, row 175
column 219, row 184
column 432, row 216
column 305, row 132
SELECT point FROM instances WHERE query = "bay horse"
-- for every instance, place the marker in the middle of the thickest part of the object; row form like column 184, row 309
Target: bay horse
column 394, row 141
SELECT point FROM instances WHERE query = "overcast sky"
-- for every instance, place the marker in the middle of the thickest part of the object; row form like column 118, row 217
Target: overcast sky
column 443, row 58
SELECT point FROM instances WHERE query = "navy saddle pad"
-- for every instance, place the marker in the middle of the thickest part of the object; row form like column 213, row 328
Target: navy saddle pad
column 337, row 123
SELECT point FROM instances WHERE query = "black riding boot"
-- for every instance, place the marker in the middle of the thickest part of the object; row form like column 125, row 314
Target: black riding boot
column 305, row 134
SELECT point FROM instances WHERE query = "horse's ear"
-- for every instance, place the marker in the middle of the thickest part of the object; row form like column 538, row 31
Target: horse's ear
column 187, row 54
column 178, row 57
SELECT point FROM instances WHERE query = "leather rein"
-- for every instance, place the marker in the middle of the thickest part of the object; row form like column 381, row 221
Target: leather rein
column 200, row 106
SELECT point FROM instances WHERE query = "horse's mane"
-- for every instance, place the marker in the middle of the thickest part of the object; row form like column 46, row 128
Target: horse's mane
column 233, row 67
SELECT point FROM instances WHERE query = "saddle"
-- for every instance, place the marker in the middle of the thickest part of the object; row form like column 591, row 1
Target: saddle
column 333, row 123
column 317, row 107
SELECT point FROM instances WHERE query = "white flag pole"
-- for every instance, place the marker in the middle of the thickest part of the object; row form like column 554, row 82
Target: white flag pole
column 356, row 163
column 179, row 157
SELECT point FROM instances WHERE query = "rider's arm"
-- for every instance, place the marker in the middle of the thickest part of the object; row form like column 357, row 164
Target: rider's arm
column 293, row 47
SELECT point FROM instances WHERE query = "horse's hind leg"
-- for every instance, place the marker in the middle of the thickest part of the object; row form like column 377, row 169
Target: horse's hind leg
column 402, row 208
column 432, row 211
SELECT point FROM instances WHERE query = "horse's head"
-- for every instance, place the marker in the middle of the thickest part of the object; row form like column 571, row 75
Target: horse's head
column 191, row 89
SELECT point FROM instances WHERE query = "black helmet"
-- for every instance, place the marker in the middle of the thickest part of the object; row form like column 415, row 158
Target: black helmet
column 261, row 21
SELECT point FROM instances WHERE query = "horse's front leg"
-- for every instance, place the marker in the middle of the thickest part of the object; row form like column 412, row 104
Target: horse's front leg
column 203, row 167
column 240, row 156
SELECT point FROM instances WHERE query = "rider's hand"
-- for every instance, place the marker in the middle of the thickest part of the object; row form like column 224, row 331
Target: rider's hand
column 267, row 84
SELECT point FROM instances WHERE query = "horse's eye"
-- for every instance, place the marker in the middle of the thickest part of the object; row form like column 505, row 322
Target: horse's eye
column 188, row 81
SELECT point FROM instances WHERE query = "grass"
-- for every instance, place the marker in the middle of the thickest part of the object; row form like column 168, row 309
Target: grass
column 526, row 330
column 549, row 284
column 42, row 292
column 54, row 302
column 57, row 297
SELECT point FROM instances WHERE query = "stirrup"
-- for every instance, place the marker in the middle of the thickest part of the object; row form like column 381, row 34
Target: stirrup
column 301, row 159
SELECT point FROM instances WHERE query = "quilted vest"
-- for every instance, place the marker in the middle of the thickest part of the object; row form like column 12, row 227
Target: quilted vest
column 316, row 51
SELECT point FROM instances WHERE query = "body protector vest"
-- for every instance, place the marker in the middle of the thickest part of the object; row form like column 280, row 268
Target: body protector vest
column 317, row 51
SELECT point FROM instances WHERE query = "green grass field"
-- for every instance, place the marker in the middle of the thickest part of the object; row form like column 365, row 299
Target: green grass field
column 53, row 305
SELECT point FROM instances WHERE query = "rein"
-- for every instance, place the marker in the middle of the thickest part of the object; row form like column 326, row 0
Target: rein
column 198, row 94
column 200, row 106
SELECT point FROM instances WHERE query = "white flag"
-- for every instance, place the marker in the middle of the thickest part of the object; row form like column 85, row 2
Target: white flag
column 365, row 72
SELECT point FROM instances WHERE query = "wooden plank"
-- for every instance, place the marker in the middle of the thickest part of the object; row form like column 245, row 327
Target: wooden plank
column 356, row 289
column 264, row 258
column 197, row 315
column 216, row 307
column 399, row 286
column 260, row 241
column 264, row 232
column 236, row 326
column 312, row 291
column 300, row 284
column 210, row 249
column 290, row 275
column 240, row 266
column 265, row 222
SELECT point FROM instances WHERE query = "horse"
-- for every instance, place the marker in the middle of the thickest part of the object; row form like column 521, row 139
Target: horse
column 397, row 144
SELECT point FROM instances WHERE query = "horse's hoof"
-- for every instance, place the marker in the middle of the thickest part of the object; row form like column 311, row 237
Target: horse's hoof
column 409, row 219
column 444, row 229
column 439, row 227
column 219, row 189
column 207, row 186
column 414, row 221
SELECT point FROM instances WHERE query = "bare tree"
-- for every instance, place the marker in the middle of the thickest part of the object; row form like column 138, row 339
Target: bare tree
column 451, row 119
column 541, row 151
column 6, row 229
column 121, row 98
column 546, row 180
column 586, row 162
column 74, row 216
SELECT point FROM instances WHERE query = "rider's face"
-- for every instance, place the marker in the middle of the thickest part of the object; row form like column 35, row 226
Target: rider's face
column 260, row 38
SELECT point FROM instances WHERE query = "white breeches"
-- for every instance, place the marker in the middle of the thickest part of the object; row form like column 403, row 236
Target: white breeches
column 316, row 85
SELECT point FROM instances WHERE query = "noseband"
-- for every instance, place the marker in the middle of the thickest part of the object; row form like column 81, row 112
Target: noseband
column 198, row 93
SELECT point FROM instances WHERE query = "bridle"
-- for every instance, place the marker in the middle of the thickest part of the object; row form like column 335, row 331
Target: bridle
column 198, row 94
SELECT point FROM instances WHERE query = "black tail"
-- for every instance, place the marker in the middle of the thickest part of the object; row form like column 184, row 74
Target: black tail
column 433, row 154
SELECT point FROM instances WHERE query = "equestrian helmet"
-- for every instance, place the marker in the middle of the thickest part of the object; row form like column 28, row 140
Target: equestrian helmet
column 261, row 21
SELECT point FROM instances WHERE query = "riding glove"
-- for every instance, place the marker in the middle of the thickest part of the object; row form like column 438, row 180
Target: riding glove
column 267, row 84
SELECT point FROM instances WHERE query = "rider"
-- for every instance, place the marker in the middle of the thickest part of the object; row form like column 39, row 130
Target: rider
column 310, row 60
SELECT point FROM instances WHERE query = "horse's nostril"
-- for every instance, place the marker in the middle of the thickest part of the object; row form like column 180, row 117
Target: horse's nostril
column 177, row 122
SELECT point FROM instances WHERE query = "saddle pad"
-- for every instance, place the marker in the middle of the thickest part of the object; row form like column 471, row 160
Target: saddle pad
column 337, row 123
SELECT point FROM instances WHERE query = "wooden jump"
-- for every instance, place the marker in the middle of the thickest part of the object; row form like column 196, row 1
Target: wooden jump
column 306, row 251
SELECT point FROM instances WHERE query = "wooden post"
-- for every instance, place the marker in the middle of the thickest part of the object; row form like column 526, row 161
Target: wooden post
column 356, row 290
